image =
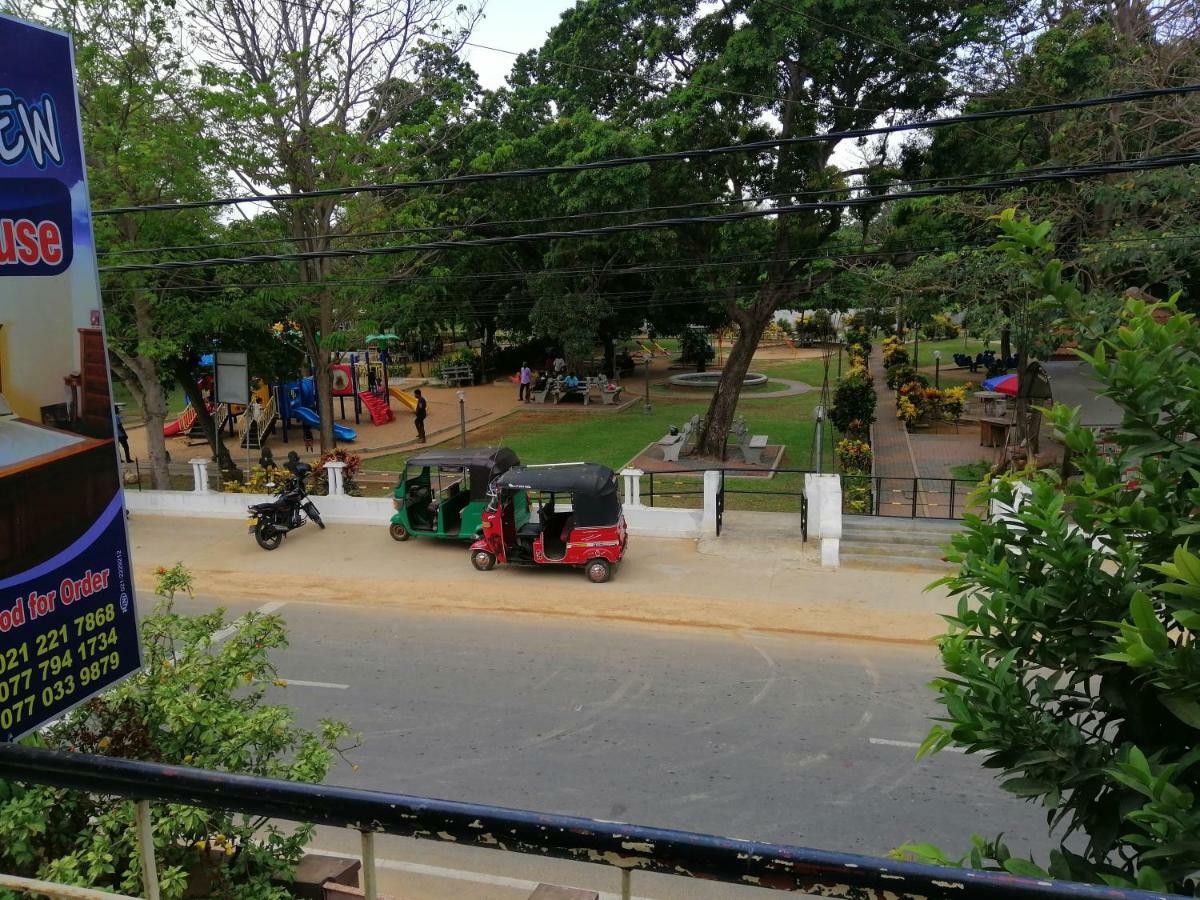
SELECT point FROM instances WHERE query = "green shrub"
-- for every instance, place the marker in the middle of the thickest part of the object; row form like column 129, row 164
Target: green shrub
column 853, row 402
column 854, row 456
column 1072, row 657
column 464, row 357
column 195, row 703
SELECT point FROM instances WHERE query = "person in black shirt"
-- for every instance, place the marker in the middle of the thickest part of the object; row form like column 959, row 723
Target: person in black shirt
column 421, row 413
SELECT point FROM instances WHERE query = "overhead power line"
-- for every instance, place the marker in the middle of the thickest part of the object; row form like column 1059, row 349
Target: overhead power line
column 474, row 226
column 832, row 254
column 676, row 155
column 1089, row 171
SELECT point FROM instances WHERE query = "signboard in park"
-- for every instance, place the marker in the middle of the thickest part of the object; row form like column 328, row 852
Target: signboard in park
column 232, row 378
column 68, row 626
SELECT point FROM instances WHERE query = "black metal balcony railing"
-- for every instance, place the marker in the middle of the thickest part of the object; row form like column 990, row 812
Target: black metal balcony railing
column 627, row 847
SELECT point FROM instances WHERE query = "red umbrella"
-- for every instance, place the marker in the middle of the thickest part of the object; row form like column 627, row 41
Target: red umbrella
column 1002, row 384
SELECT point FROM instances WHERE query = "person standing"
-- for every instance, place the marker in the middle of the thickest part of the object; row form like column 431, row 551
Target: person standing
column 122, row 437
column 525, row 377
column 420, row 417
column 560, row 365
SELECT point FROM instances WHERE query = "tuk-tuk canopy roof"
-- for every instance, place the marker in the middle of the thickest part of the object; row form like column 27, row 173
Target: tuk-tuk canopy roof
column 494, row 459
column 573, row 478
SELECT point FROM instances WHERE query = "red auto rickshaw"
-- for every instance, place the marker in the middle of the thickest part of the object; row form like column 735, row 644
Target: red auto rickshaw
column 578, row 522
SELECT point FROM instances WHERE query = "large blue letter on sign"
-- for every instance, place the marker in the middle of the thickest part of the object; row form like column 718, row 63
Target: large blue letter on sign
column 68, row 624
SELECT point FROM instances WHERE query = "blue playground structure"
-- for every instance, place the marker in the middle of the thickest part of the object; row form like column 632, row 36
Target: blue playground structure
column 298, row 400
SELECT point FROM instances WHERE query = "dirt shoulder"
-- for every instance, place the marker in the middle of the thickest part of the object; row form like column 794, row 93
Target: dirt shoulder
column 718, row 583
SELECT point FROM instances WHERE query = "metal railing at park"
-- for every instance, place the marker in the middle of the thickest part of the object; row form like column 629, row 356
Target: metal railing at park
column 908, row 497
column 628, row 848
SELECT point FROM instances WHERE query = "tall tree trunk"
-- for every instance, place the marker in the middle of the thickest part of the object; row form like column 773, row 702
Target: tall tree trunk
column 154, row 409
column 187, row 380
column 1006, row 331
column 719, row 417
column 321, row 380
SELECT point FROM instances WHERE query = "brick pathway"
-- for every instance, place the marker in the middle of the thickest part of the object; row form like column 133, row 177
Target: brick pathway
column 893, row 458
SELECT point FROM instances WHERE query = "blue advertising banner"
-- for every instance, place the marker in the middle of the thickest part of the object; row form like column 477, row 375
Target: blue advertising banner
column 68, row 622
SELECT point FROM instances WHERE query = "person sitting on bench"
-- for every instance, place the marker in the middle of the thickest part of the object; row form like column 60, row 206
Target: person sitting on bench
column 571, row 382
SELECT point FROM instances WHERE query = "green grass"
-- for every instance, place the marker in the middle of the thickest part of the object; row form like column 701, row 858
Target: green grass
column 810, row 371
column 613, row 439
column 971, row 471
column 132, row 411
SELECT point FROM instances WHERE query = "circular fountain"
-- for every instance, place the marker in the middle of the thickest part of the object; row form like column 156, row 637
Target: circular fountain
column 709, row 380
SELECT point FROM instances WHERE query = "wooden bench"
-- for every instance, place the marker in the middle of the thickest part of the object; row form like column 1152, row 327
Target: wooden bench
column 455, row 375
column 992, row 431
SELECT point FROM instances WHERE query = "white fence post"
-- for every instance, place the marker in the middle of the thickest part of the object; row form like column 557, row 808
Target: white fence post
column 200, row 476
column 337, row 487
column 829, row 495
column 633, row 486
column 812, row 491
column 712, row 484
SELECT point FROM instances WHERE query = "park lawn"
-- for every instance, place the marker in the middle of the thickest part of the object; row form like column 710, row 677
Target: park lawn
column 810, row 371
column 614, row 439
column 131, row 413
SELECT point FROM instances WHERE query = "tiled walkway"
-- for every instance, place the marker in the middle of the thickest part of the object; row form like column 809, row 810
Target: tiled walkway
column 916, row 467
column 893, row 458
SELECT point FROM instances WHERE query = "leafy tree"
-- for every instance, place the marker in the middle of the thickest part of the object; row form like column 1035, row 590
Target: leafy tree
column 195, row 703
column 144, row 136
column 312, row 97
column 1071, row 658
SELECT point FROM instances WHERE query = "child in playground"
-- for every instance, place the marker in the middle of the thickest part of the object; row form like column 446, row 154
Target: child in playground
column 308, row 438
column 421, row 412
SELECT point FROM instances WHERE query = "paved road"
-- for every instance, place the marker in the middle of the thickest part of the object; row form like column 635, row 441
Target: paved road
column 778, row 738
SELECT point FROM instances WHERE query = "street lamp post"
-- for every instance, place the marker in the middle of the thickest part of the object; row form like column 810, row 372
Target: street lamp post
column 937, row 368
column 646, row 402
column 462, row 418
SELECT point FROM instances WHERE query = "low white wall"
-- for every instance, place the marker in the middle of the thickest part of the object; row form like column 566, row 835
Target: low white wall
column 341, row 510
column 658, row 521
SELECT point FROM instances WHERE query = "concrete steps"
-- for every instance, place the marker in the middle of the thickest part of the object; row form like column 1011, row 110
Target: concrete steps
column 881, row 542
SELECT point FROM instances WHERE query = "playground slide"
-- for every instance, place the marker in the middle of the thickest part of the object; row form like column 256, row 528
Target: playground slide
column 381, row 414
column 341, row 432
column 180, row 425
column 404, row 397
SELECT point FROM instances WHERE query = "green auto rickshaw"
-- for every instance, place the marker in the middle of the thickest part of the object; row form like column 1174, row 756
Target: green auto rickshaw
column 442, row 493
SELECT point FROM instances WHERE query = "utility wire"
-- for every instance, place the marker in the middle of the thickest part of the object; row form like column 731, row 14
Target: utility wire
column 601, row 231
column 466, row 226
column 676, row 155
column 404, row 280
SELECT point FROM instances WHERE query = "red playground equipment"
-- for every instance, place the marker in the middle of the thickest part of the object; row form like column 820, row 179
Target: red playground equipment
column 380, row 412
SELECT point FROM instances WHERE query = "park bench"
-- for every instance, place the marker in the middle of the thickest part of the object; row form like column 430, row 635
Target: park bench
column 561, row 392
column 751, row 445
column 673, row 444
column 539, row 395
column 611, row 395
column 458, row 374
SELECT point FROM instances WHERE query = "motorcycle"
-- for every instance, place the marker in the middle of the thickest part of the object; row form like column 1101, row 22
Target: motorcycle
column 270, row 522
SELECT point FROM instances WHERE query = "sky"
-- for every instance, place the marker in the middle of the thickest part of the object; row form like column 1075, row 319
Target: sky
column 516, row 25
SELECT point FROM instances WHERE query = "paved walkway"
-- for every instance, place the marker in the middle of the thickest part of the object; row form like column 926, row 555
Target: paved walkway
column 793, row 389
column 893, row 455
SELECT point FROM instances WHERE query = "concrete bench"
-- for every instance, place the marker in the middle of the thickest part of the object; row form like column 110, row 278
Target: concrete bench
column 751, row 445
column 674, row 444
column 609, row 396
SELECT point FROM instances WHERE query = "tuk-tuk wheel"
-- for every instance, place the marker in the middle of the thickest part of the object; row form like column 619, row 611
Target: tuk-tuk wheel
column 483, row 560
column 599, row 571
column 398, row 532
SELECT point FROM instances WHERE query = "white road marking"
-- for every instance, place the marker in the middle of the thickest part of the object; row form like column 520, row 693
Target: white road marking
column 230, row 630
column 399, row 865
column 331, row 685
column 887, row 742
